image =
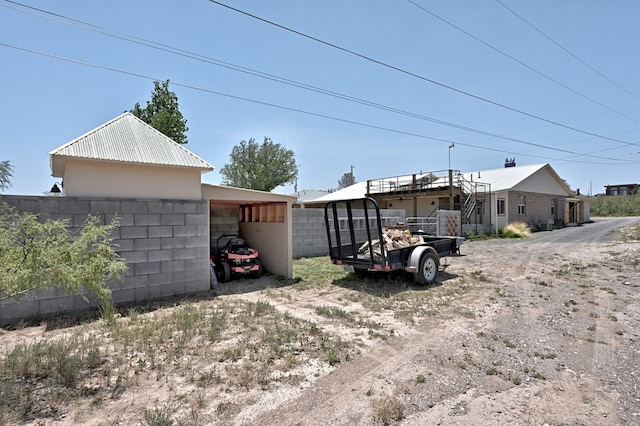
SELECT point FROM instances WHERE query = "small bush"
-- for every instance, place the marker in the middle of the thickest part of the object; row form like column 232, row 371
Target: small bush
column 388, row 409
column 516, row 230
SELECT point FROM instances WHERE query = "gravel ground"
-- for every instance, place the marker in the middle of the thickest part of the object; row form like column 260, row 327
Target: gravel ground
column 548, row 334
column 540, row 331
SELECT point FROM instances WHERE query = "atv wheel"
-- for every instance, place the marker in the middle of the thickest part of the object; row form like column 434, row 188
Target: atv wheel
column 257, row 273
column 224, row 272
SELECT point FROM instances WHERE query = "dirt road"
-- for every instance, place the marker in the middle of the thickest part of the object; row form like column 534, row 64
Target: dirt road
column 547, row 335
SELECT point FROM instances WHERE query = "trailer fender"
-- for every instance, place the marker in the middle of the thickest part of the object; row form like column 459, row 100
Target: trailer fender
column 424, row 263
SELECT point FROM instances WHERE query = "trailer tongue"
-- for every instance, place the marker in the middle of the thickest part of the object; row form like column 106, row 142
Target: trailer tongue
column 361, row 242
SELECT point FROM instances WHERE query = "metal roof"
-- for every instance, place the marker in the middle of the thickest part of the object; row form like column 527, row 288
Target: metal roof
column 507, row 178
column 502, row 179
column 127, row 139
column 357, row 190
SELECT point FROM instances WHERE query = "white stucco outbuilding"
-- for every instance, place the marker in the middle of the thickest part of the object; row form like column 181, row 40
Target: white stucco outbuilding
column 127, row 158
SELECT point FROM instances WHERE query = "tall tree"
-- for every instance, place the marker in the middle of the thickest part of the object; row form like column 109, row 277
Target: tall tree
column 263, row 167
column 162, row 113
column 347, row 179
column 6, row 172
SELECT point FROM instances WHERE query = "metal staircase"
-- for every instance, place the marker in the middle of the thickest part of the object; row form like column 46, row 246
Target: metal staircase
column 473, row 193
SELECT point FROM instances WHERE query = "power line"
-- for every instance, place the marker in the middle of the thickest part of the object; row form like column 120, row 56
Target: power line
column 216, row 62
column 418, row 76
column 516, row 60
column 567, row 51
column 314, row 114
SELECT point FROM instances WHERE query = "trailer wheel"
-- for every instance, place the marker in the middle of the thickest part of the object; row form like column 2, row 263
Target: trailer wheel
column 428, row 269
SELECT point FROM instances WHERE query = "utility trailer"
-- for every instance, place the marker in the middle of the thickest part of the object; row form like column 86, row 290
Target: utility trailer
column 353, row 228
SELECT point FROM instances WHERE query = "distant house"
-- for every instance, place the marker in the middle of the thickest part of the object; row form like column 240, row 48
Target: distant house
column 305, row 195
column 626, row 189
column 532, row 194
column 488, row 199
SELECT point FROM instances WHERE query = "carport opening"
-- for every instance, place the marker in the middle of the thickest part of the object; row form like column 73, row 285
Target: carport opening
column 262, row 226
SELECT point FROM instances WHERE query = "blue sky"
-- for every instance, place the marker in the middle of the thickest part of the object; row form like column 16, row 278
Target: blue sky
column 542, row 81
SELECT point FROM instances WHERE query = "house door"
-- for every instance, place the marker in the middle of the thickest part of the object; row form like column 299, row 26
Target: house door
column 570, row 213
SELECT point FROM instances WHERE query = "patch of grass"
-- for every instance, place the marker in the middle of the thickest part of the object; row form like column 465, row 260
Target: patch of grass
column 508, row 343
column 159, row 416
column 516, row 230
column 332, row 312
column 479, row 276
column 543, row 355
column 315, row 271
column 421, row 379
column 492, row 371
column 388, row 409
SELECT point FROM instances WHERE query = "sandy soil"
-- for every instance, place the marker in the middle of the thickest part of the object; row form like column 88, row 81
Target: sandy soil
column 529, row 332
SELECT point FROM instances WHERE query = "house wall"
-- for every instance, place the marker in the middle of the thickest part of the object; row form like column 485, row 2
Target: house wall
column 541, row 182
column 538, row 207
column 165, row 244
column 107, row 179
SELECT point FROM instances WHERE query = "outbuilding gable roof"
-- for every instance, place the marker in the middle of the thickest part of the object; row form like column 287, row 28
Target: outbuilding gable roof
column 126, row 139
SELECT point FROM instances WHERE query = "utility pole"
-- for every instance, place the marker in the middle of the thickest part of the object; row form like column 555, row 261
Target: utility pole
column 453, row 145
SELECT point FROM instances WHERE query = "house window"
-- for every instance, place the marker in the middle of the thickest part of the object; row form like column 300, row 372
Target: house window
column 614, row 191
column 553, row 210
column 622, row 190
column 500, row 206
column 522, row 205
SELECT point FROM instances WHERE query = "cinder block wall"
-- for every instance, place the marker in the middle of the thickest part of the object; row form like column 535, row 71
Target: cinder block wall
column 310, row 232
column 165, row 244
column 224, row 221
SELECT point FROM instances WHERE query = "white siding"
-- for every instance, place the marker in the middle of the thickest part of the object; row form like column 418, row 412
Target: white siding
column 541, row 182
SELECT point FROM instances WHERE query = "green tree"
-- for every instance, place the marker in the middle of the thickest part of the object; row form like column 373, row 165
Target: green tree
column 46, row 254
column 162, row 113
column 263, row 167
column 6, row 172
column 347, row 179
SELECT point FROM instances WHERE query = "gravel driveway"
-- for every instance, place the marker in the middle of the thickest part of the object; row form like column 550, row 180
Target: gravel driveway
column 544, row 332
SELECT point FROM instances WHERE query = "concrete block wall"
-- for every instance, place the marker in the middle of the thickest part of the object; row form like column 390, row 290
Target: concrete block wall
column 224, row 221
column 165, row 244
column 310, row 232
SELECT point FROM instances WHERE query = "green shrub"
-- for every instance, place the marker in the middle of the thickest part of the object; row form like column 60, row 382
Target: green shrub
column 622, row 205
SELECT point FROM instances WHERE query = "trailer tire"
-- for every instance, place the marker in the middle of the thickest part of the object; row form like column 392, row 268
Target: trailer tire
column 427, row 269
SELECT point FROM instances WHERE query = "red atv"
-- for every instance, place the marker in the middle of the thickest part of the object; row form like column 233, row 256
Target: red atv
column 232, row 257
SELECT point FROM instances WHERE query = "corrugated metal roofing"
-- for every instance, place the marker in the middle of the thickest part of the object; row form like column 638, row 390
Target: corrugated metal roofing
column 500, row 179
column 357, row 190
column 505, row 178
column 128, row 139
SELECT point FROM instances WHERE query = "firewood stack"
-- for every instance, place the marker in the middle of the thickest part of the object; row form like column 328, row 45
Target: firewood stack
column 394, row 237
